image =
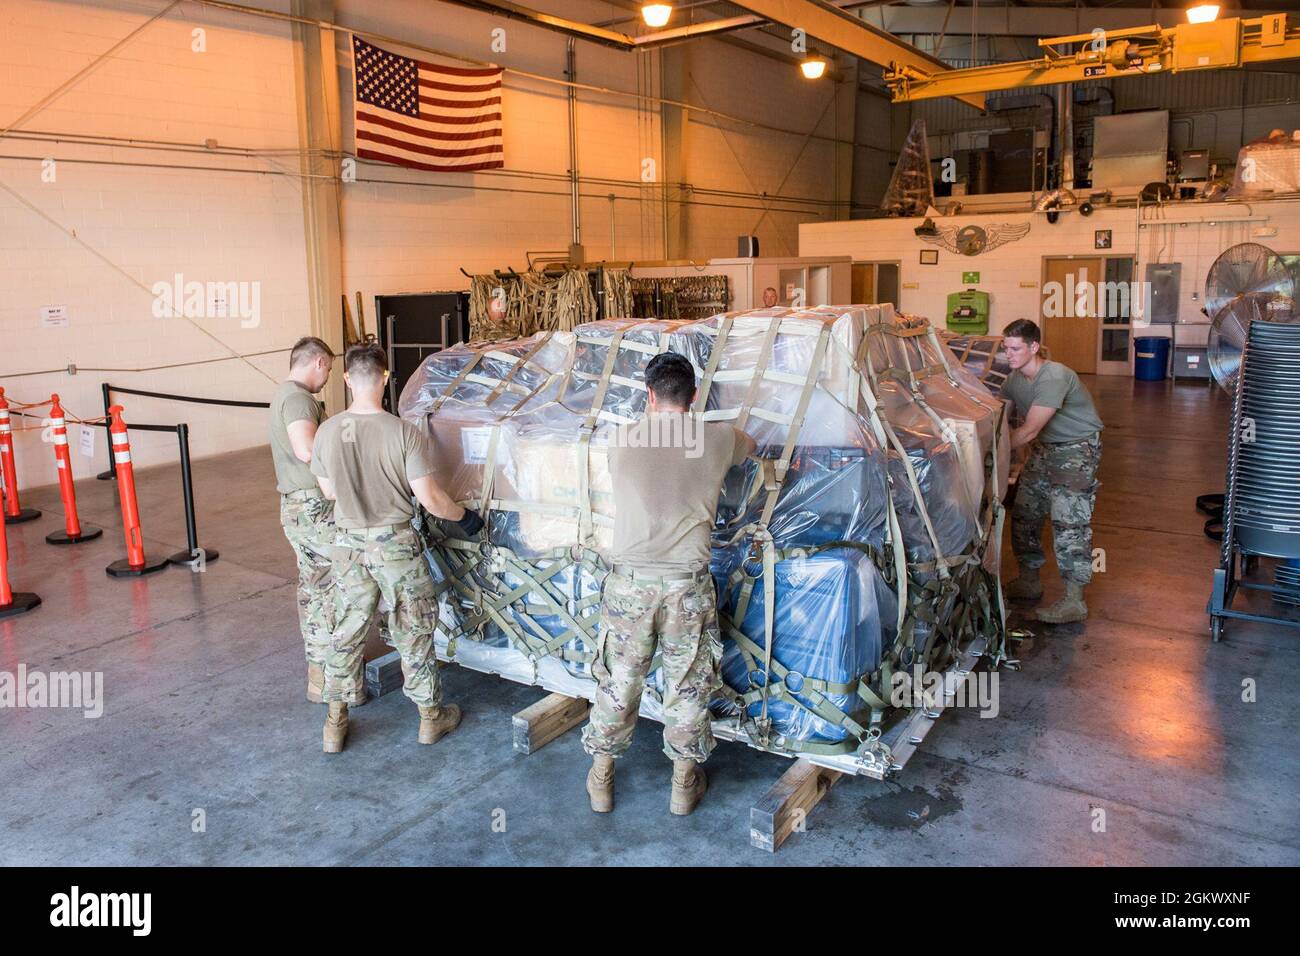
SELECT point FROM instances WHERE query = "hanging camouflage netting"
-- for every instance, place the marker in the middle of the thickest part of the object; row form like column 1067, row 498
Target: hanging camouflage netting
column 911, row 191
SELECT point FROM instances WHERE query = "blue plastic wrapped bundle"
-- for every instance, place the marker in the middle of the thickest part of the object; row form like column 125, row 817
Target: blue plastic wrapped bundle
column 832, row 610
column 829, row 494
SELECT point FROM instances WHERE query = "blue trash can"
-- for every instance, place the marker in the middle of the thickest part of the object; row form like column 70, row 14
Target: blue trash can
column 1151, row 360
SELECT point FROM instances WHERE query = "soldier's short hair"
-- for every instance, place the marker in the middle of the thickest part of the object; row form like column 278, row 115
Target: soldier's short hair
column 1025, row 329
column 307, row 349
column 671, row 377
column 366, row 361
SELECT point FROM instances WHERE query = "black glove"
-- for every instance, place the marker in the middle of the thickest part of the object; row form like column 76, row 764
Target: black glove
column 468, row 526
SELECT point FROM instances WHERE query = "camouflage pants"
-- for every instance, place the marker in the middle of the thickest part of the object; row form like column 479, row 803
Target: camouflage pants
column 679, row 619
column 370, row 563
column 1058, row 481
column 309, row 525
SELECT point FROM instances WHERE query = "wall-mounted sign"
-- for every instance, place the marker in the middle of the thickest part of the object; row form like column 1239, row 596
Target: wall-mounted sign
column 970, row 278
column 54, row 316
column 1101, row 239
column 929, row 257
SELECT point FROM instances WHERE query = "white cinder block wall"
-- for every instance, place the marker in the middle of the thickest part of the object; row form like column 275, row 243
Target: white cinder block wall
column 151, row 213
column 1192, row 234
column 163, row 203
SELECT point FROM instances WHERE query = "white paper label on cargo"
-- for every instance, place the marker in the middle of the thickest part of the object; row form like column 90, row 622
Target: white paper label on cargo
column 87, row 441
column 475, row 443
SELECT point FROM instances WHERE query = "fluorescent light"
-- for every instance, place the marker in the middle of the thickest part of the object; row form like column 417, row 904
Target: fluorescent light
column 1203, row 13
column 657, row 14
column 813, row 67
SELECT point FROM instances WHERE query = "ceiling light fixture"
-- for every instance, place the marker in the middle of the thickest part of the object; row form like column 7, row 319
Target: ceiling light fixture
column 813, row 67
column 657, row 14
column 1203, row 13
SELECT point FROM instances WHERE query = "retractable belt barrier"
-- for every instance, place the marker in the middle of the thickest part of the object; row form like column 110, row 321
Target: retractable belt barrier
column 193, row 555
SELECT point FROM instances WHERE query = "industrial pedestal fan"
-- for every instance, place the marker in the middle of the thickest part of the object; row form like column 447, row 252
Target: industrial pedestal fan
column 1254, row 355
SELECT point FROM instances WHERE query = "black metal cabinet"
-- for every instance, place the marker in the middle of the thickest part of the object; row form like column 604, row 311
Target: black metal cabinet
column 412, row 326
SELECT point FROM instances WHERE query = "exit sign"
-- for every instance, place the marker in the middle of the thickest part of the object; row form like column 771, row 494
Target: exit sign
column 970, row 278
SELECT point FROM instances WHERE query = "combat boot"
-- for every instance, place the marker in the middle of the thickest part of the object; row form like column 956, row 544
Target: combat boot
column 336, row 727
column 1027, row 587
column 438, row 722
column 600, row 783
column 1069, row 608
column 315, row 683
column 689, row 784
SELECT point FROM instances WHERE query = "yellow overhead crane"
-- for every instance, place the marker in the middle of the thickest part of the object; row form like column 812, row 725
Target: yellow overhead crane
column 1108, row 54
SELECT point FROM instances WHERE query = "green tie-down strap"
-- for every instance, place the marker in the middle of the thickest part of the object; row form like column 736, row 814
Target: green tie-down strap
column 812, row 690
column 957, row 609
column 463, row 563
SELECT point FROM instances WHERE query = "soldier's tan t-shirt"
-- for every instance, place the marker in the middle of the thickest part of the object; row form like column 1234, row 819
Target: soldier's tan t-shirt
column 667, row 473
column 1055, row 386
column 291, row 403
column 372, row 460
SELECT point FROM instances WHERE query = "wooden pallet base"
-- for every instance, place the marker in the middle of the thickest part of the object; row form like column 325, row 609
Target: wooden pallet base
column 538, row 724
column 785, row 807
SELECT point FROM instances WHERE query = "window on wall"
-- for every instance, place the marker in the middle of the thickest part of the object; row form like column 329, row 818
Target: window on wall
column 1115, row 307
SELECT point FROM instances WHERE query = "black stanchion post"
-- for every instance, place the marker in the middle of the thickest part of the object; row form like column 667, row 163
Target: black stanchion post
column 194, row 554
column 108, row 435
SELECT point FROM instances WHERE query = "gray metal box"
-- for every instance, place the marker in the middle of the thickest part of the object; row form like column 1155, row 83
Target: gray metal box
column 1190, row 361
column 1164, row 280
column 1129, row 149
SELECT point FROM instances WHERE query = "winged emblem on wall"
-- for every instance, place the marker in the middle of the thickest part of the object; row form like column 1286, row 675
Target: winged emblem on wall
column 972, row 240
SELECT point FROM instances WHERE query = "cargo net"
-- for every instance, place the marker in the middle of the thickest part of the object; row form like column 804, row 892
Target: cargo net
column 545, row 301
column 679, row 298
column 861, row 540
column 982, row 356
column 911, row 188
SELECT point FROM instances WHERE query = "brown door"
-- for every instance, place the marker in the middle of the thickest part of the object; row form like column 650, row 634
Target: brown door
column 1071, row 328
column 864, row 291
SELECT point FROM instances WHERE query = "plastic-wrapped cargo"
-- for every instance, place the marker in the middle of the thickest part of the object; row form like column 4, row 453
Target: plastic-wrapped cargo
column 1267, row 167
column 834, row 612
column 873, row 498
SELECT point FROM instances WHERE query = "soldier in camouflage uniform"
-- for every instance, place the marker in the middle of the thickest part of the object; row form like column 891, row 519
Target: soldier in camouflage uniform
column 676, row 616
column 660, row 596
column 1061, row 432
column 306, row 515
column 372, row 464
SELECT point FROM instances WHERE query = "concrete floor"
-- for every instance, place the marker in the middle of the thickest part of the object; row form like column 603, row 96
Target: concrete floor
column 1135, row 713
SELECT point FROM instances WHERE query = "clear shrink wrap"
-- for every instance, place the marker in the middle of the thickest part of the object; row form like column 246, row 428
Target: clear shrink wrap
column 864, row 433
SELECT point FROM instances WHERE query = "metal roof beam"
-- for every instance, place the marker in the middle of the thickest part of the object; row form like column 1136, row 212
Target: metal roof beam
column 845, row 31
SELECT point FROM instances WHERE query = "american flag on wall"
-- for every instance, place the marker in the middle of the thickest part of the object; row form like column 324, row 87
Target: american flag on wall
column 426, row 116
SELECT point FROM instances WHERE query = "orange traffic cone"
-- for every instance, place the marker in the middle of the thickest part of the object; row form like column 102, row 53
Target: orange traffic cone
column 14, row 512
column 73, row 532
column 135, row 563
column 11, row 603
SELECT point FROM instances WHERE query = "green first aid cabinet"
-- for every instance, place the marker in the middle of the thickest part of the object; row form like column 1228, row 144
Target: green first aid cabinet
column 968, row 312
